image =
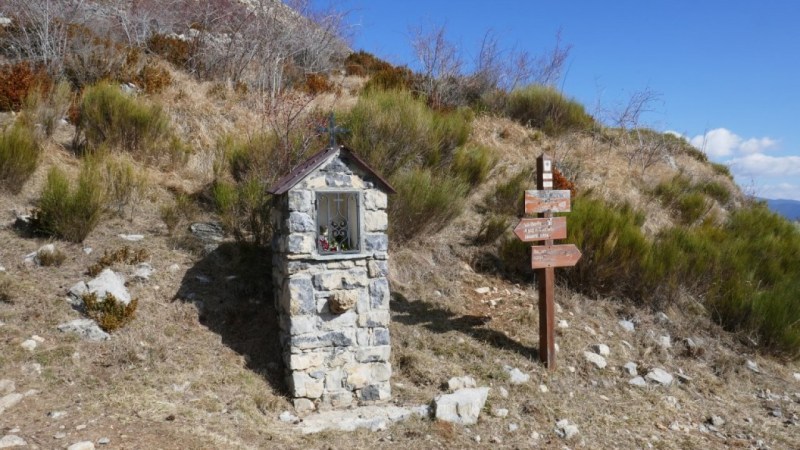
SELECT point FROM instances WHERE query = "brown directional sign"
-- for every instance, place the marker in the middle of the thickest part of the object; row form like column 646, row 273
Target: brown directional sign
column 546, row 256
column 546, row 201
column 530, row 230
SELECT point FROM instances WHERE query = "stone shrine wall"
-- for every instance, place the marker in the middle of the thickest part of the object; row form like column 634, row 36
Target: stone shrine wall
column 334, row 309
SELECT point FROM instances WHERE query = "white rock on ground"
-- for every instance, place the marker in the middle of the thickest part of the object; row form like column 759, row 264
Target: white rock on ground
column 499, row 412
column 601, row 349
column 456, row 383
column 638, row 381
column 716, row 421
column 131, row 237
column 12, row 440
column 630, row 368
column 565, row 429
column 7, row 386
column 82, row 445
column 516, row 376
column 662, row 318
column 627, row 325
column 797, row 376
column 107, row 281
column 85, row 328
column 29, row 345
column 503, row 392
column 286, row 416
column 752, row 365
column 563, row 324
column 595, row 359
column 103, row 441
column 10, row 400
column 375, row 418
column 664, row 342
column 660, row 376
column 482, row 290
column 143, row 271
column 462, row 407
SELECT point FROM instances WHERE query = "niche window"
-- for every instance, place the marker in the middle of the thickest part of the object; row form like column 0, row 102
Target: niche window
column 338, row 223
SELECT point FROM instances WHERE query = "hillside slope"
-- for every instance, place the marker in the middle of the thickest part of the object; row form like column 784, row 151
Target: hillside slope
column 199, row 366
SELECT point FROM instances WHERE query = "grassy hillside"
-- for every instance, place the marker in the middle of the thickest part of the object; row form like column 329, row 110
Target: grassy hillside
column 123, row 136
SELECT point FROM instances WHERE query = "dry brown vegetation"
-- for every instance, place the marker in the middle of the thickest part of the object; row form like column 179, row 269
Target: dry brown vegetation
column 199, row 366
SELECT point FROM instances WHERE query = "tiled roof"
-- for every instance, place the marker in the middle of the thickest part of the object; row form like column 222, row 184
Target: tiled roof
column 315, row 161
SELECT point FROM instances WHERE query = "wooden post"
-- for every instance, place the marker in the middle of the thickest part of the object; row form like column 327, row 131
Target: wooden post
column 546, row 276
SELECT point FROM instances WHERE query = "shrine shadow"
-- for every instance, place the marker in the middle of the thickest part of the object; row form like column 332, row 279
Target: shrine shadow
column 440, row 320
column 232, row 289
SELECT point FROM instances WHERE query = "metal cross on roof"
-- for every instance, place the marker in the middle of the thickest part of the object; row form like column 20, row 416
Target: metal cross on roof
column 332, row 130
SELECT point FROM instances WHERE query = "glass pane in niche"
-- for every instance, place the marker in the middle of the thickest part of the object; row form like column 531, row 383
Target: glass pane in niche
column 337, row 222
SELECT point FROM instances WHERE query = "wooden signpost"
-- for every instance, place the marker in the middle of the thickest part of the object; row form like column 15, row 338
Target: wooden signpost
column 530, row 230
column 545, row 258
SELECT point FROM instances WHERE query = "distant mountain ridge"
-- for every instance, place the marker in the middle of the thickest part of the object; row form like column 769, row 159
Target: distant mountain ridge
column 787, row 208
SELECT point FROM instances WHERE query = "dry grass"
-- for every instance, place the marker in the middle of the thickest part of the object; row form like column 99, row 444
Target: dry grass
column 199, row 364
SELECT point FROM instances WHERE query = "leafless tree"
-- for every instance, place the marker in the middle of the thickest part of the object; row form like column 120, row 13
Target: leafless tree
column 548, row 68
column 440, row 64
column 41, row 30
column 642, row 147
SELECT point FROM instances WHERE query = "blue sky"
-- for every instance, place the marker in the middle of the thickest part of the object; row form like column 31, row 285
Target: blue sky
column 727, row 71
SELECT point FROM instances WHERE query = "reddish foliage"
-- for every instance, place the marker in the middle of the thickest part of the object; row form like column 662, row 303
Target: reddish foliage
column 174, row 50
column 316, row 84
column 154, row 79
column 17, row 80
column 562, row 183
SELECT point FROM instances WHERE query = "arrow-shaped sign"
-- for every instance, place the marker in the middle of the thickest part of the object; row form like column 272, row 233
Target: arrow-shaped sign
column 530, row 230
column 544, row 256
column 545, row 200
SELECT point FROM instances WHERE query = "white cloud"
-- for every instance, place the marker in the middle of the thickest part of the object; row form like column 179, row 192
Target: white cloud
column 721, row 142
column 781, row 191
column 754, row 145
column 758, row 164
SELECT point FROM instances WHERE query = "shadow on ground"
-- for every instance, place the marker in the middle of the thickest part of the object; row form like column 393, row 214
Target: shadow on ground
column 232, row 287
column 440, row 320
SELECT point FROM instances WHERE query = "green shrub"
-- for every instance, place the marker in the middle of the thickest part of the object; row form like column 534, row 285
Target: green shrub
column 778, row 317
column 717, row 191
column 109, row 313
column 244, row 209
column 514, row 256
column 8, row 289
column 721, row 169
column 394, row 131
column 67, row 213
column 181, row 211
column 692, row 206
column 48, row 108
column 492, row 227
column 472, row 163
column 125, row 185
column 509, row 197
column 19, row 157
column 613, row 246
column 547, row 109
column 424, row 202
column 111, row 118
column 687, row 199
